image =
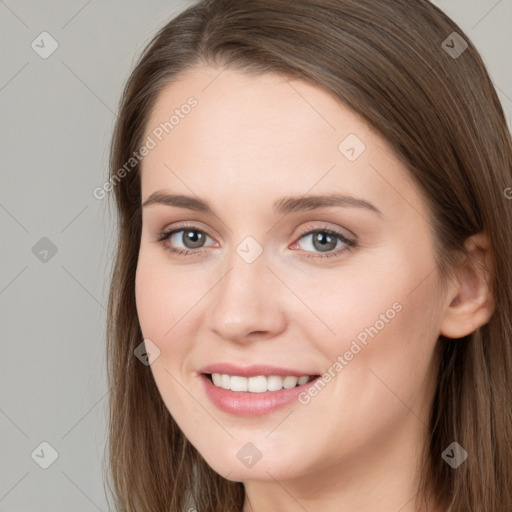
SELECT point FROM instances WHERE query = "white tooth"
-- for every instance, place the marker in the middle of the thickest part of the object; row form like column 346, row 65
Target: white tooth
column 289, row 382
column 274, row 383
column 226, row 381
column 257, row 384
column 238, row 383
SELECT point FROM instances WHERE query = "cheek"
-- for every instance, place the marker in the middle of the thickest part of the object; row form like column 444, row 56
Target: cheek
column 379, row 367
column 375, row 324
column 336, row 306
column 165, row 300
column 164, row 295
column 388, row 354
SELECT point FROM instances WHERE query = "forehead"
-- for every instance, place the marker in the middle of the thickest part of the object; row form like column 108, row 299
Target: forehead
column 265, row 131
column 261, row 104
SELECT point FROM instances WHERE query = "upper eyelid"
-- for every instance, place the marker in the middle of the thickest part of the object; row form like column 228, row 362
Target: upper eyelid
column 194, row 224
column 191, row 227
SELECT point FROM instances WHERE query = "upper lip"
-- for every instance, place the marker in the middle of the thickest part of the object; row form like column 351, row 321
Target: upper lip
column 253, row 370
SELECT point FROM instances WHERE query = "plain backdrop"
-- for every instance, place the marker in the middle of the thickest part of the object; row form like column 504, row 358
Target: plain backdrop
column 57, row 115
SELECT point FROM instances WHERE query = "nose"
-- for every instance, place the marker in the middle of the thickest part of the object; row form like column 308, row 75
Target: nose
column 247, row 303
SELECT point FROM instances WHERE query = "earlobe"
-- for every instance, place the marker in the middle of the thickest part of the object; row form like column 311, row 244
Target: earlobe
column 470, row 300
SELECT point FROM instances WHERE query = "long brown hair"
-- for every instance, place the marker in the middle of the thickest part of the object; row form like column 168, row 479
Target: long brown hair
column 441, row 114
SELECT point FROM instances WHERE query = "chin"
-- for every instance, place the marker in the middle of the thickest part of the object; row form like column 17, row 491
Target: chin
column 241, row 466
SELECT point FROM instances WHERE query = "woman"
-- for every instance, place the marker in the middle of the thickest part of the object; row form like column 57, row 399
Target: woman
column 314, row 246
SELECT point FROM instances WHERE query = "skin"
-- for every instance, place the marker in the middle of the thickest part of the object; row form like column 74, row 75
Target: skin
column 250, row 141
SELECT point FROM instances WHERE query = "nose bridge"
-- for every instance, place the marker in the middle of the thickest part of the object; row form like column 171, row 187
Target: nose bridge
column 247, row 264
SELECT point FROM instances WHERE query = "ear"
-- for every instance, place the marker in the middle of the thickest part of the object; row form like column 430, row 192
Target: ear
column 470, row 302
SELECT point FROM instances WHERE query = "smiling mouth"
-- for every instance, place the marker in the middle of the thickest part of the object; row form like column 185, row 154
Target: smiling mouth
column 258, row 384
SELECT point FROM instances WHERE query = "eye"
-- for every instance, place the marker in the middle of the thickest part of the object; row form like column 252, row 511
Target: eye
column 325, row 241
column 191, row 237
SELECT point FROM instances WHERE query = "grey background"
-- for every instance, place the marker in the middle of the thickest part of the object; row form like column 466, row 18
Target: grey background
column 57, row 116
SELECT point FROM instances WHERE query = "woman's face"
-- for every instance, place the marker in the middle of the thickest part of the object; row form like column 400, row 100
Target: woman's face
column 268, row 282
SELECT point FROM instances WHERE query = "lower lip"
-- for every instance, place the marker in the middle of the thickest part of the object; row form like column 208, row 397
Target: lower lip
column 243, row 403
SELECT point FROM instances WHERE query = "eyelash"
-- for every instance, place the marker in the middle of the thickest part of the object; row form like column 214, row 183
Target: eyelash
column 349, row 243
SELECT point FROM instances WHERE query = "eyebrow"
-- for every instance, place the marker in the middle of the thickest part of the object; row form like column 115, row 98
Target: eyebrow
column 282, row 206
